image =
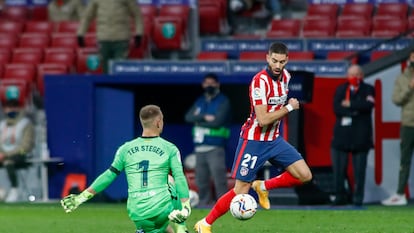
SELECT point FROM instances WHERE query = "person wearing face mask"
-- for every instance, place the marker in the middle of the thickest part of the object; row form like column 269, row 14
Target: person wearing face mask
column 16, row 139
column 211, row 116
column 353, row 104
column 403, row 96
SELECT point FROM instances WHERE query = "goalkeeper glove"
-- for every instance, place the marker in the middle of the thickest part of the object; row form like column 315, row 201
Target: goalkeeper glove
column 72, row 201
column 179, row 216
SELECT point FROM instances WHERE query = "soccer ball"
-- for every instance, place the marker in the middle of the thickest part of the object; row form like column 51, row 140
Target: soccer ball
column 243, row 206
column 194, row 198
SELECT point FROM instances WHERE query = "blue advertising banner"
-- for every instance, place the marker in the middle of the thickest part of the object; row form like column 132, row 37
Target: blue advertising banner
column 355, row 44
column 163, row 67
column 319, row 68
column 233, row 47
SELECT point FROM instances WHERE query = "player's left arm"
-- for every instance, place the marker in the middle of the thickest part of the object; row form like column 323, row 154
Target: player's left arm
column 182, row 189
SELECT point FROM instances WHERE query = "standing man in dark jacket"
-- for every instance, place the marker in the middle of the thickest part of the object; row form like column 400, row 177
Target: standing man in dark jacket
column 211, row 116
column 353, row 104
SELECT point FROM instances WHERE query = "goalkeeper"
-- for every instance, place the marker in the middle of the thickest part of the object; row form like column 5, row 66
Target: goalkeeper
column 153, row 198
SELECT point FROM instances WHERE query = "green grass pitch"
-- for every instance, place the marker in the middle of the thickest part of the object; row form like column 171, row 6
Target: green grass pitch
column 112, row 218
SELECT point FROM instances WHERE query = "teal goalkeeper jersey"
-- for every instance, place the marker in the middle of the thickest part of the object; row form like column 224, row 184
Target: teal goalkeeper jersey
column 147, row 161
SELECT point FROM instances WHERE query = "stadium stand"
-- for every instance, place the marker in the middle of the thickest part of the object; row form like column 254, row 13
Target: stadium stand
column 170, row 28
column 353, row 28
column 207, row 55
column 5, row 56
column 356, row 11
column 21, row 84
column 20, row 71
column 65, row 56
column 252, row 56
column 8, row 40
column 64, row 40
column 322, row 11
column 11, row 27
column 67, row 26
column 39, row 13
column 48, row 68
column 375, row 55
column 34, row 40
column 317, row 28
column 391, row 10
column 15, row 13
column 301, row 55
column 46, row 27
column 210, row 17
column 388, row 27
column 27, row 55
column 284, row 28
column 82, row 60
column 341, row 55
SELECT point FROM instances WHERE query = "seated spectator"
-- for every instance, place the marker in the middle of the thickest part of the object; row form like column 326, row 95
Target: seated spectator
column 65, row 10
column 16, row 141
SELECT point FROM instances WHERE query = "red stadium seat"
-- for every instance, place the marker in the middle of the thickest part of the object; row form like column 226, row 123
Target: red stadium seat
column 15, row 13
column 375, row 55
column 351, row 28
column 46, row 27
column 356, row 10
column 392, row 10
column 65, row 56
column 169, row 34
column 324, row 11
column 27, row 55
column 388, row 27
column 252, row 55
column 180, row 11
column 11, row 27
column 82, row 59
column 8, row 40
column 210, row 17
column 90, row 40
column 39, row 13
column 34, row 40
column 5, row 56
column 64, row 40
column 317, row 28
column 21, row 84
column 48, row 68
column 206, row 55
column 285, row 28
column 67, row 26
column 301, row 55
column 149, row 11
column 20, row 71
column 341, row 55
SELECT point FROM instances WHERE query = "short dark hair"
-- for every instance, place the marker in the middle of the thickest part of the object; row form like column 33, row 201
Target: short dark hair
column 278, row 47
column 212, row 76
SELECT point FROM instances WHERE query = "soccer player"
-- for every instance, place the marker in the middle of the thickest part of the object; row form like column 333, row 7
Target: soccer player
column 260, row 140
column 147, row 161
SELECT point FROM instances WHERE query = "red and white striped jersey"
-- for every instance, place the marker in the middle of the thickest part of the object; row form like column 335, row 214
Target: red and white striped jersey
column 264, row 90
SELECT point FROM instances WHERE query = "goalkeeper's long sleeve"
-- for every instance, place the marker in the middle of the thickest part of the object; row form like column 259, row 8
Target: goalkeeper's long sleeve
column 104, row 180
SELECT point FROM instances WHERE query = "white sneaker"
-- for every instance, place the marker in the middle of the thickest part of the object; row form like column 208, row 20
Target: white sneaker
column 12, row 196
column 395, row 200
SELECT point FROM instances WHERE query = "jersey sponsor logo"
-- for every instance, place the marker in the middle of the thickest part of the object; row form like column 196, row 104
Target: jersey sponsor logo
column 277, row 100
column 244, row 171
column 256, row 93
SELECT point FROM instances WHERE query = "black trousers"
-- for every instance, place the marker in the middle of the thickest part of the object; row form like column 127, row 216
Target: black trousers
column 339, row 167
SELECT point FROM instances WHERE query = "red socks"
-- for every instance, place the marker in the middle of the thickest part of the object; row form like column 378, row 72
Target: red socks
column 221, row 207
column 283, row 180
